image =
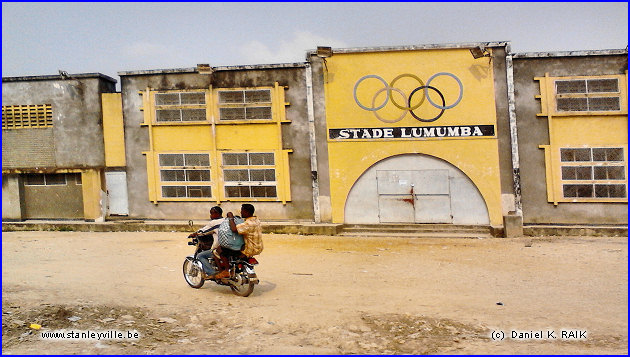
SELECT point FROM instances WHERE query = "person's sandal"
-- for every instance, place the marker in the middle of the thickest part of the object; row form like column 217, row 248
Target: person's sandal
column 222, row 275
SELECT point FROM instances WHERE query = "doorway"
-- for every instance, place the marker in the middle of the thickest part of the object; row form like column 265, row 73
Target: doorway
column 415, row 188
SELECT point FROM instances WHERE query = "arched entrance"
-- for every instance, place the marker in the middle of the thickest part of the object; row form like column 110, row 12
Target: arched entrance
column 415, row 188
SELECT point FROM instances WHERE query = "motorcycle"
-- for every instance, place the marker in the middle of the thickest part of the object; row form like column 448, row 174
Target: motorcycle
column 242, row 277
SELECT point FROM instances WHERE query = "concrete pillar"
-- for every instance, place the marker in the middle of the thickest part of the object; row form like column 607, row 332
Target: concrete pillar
column 513, row 225
column 11, row 198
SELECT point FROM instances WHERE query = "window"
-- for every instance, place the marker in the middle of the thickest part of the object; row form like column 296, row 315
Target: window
column 598, row 173
column 180, row 106
column 45, row 179
column 184, row 175
column 213, row 164
column 250, row 104
column 219, row 105
column 249, row 175
column 588, row 95
column 26, row 116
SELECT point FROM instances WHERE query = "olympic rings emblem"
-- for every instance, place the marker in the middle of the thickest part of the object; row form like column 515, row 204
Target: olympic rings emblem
column 389, row 88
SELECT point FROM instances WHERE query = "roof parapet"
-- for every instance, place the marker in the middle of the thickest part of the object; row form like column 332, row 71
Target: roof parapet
column 214, row 69
column 571, row 53
column 59, row 77
column 414, row 47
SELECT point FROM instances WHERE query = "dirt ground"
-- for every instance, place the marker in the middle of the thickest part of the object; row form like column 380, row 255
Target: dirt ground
column 318, row 295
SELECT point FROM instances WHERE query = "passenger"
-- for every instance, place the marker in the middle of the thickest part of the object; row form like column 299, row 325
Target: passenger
column 251, row 231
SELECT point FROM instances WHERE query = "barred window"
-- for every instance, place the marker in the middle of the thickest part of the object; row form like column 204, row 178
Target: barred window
column 185, row 175
column 50, row 179
column 250, row 104
column 27, row 116
column 180, row 98
column 593, row 173
column 180, row 106
column 593, row 95
column 249, row 175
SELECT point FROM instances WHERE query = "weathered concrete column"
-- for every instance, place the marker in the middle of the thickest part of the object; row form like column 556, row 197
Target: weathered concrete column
column 11, row 198
column 513, row 225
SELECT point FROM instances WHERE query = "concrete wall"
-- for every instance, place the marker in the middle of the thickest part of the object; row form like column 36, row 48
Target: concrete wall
column 76, row 137
column 73, row 143
column 294, row 136
column 533, row 131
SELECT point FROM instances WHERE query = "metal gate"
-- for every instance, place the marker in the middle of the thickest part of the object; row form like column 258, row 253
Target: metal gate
column 414, row 196
column 117, row 193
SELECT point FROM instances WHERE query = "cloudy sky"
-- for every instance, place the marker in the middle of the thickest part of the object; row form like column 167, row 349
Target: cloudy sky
column 42, row 38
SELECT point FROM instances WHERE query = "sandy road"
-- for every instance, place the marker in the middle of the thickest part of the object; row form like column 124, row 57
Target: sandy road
column 319, row 294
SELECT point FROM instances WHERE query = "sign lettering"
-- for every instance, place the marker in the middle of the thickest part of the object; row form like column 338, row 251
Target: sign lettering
column 411, row 132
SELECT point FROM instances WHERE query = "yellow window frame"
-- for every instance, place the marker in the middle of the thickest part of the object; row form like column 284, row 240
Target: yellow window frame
column 150, row 106
column 548, row 96
column 281, row 167
column 277, row 104
column 156, row 183
column 553, row 167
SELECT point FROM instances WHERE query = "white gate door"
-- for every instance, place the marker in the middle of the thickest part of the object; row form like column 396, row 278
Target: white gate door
column 433, row 196
column 442, row 193
column 117, row 193
column 414, row 196
column 395, row 196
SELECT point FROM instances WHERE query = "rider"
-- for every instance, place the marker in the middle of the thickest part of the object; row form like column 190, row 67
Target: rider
column 208, row 238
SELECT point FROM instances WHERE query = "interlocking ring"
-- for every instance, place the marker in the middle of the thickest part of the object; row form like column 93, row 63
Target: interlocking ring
column 426, row 88
column 461, row 90
column 388, row 88
column 357, row 100
column 391, row 85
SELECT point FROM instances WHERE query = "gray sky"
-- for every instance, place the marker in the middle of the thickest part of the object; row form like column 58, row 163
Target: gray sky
column 42, row 38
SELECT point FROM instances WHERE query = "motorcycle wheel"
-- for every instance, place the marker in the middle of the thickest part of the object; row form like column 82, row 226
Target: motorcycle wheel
column 241, row 285
column 193, row 274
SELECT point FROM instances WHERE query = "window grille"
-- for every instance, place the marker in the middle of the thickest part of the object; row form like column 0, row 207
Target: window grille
column 45, row 179
column 185, row 175
column 593, row 173
column 581, row 95
column 252, row 104
column 180, row 106
column 27, row 116
column 180, row 98
column 249, row 175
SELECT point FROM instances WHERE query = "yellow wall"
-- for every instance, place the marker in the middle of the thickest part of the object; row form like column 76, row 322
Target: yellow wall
column 252, row 136
column 477, row 157
column 113, row 130
column 589, row 131
column 92, row 185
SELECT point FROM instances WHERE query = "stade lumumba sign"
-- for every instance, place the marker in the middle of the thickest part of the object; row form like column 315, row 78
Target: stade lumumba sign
column 425, row 132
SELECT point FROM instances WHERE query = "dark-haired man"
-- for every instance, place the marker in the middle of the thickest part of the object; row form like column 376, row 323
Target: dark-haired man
column 209, row 239
column 250, row 229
